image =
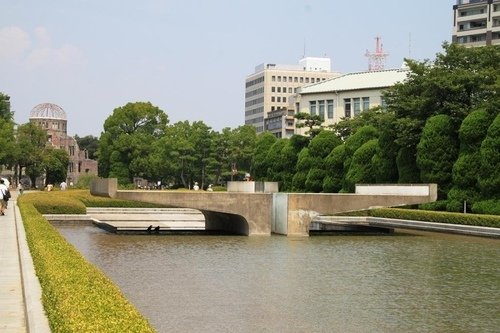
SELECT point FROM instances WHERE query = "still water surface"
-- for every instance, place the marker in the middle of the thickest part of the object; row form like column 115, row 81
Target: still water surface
column 389, row 283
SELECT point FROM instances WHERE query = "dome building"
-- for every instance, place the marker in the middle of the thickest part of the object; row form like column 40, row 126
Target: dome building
column 53, row 120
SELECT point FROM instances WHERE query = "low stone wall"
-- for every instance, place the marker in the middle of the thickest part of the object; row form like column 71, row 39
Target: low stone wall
column 104, row 187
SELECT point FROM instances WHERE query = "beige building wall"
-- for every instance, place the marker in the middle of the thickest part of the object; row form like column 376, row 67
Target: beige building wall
column 270, row 87
column 476, row 23
column 360, row 101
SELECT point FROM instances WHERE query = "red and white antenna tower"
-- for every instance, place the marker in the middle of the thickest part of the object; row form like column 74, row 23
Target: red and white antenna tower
column 376, row 60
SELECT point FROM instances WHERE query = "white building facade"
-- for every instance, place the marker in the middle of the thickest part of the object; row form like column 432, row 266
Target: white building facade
column 345, row 96
column 268, row 90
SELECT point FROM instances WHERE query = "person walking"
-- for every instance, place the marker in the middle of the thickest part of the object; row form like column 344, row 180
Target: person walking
column 3, row 193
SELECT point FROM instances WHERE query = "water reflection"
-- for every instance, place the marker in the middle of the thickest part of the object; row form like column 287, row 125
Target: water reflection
column 392, row 283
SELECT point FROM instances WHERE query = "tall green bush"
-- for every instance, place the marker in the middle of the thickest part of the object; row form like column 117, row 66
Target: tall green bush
column 489, row 175
column 437, row 151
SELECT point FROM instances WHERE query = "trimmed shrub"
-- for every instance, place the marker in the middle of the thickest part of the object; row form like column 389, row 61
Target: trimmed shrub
column 361, row 168
column 487, row 207
column 439, row 217
column 439, row 205
column 489, row 175
column 77, row 297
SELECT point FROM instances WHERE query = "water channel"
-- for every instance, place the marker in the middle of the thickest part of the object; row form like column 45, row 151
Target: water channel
column 402, row 282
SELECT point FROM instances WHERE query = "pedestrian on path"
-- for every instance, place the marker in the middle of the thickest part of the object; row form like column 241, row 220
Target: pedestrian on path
column 3, row 193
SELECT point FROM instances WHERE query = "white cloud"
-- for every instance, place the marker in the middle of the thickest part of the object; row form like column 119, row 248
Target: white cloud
column 13, row 43
column 37, row 51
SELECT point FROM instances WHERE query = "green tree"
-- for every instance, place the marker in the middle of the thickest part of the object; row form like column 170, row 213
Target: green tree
column 361, row 169
column 457, row 82
column 31, row 142
column 464, row 173
column 334, row 166
column 5, row 112
column 89, row 143
column 489, row 174
column 437, row 151
column 312, row 122
column 126, row 144
column 55, row 164
column 353, row 143
column 263, row 144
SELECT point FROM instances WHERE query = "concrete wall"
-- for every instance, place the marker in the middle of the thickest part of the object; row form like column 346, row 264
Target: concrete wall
column 304, row 207
column 262, row 213
column 104, row 187
column 252, row 187
column 390, row 189
column 250, row 212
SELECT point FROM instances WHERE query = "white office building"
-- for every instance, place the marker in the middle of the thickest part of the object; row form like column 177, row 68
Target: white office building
column 268, row 89
column 345, row 96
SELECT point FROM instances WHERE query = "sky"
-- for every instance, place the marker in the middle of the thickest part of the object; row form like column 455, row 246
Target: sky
column 190, row 58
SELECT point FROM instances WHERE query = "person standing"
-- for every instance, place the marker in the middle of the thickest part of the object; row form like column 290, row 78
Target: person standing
column 3, row 193
column 63, row 186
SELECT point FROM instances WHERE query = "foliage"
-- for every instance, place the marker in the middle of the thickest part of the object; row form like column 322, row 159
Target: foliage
column 5, row 113
column 84, row 181
column 31, row 142
column 437, row 147
column 260, row 162
column 407, row 168
column 334, row 166
column 489, row 174
column 55, row 164
column 89, row 143
column 487, row 207
column 439, row 217
column 125, row 146
column 361, row 168
column 312, row 122
column 77, row 297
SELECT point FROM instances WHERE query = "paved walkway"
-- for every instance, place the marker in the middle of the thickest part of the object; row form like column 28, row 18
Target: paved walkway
column 21, row 309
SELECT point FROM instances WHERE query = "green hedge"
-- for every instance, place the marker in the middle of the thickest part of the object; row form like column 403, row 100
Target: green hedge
column 440, row 217
column 77, row 296
column 76, row 201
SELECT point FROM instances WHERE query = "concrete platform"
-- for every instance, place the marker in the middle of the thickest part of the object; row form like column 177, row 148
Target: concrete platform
column 354, row 223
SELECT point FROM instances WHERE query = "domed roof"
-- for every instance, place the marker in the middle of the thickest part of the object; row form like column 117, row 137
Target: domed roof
column 48, row 111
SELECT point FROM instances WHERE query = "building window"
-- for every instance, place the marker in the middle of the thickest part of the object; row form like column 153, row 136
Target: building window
column 279, row 78
column 356, row 106
column 273, row 78
column 289, row 79
column 307, row 80
column 312, row 108
column 279, row 89
column 366, row 103
column 329, row 108
column 347, row 107
column 321, row 107
column 273, row 89
column 284, row 78
column 290, row 90
column 71, row 150
column 301, row 80
column 279, row 99
column 296, row 79
column 272, row 99
column 71, row 167
column 284, row 99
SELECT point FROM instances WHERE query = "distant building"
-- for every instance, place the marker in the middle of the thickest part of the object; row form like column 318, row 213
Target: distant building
column 476, row 22
column 268, row 89
column 52, row 119
column 345, row 96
